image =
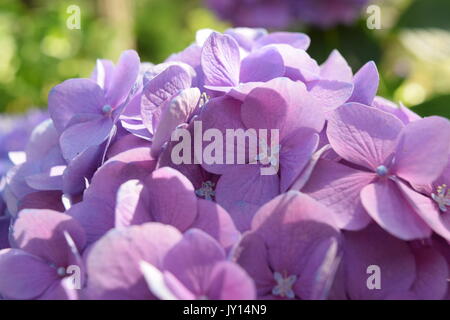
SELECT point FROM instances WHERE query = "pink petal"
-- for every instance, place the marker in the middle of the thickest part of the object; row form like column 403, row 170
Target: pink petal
column 363, row 135
column 125, row 75
column 336, row 68
column 170, row 198
column 338, row 187
column 228, row 281
column 386, row 204
column 423, row 166
column 427, row 209
column 113, row 262
column 220, row 60
column 216, row 222
column 365, row 82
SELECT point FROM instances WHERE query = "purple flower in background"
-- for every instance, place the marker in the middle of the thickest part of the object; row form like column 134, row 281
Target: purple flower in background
column 282, row 13
column 253, row 13
column 328, row 13
column 42, row 170
column 15, row 132
column 381, row 162
column 46, row 246
column 197, row 268
column 292, row 249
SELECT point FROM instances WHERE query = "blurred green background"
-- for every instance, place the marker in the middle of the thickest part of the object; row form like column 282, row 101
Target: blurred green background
column 37, row 50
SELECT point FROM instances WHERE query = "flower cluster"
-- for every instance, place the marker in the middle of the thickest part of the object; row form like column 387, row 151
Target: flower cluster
column 281, row 14
column 117, row 198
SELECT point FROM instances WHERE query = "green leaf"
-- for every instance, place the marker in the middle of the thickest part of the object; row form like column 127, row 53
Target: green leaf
column 426, row 14
column 439, row 106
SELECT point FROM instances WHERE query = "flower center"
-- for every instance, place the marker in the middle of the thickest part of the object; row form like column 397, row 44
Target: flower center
column 206, row 191
column 382, row 171
column 268, row 155
column 106, row 109
column 61, row 271
column 442, row 197
column 283, row 288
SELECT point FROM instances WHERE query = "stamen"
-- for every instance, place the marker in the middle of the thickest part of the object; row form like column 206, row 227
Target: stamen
column 442, row 197
column 382, row 171
column 283, row 288
column 204, row 98
column 206, row 191
column 61, row 271
column 106, row 109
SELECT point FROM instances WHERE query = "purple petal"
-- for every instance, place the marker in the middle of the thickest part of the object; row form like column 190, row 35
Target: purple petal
column 228, row 281
column 42, row 200
column 113, row 262
column 129, row 205
column 192, row 259
column 281, row 104
column 431, row 275
column 74, row 97
column 365, row 83
column 178, row 111
column 331, row 94
column 432, row 135
column 427, row 210
column 159, row 90
column 363, row 135
column 24, row 276
column 296, row 152
column 41, row 232
column 243, row 190
column 294, row 39
column 299, row 65
column 262, row 65
column 338, row 187
column 170, row 198
column 95, row 216
column 125, row 75
column 220, row 60
column 336, row 68
column 385, row 203
column 79, row 137
column 374, row 247
column 216, row 222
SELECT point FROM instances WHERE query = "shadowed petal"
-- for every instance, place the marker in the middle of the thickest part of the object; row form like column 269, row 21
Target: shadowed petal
column 24, row 276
